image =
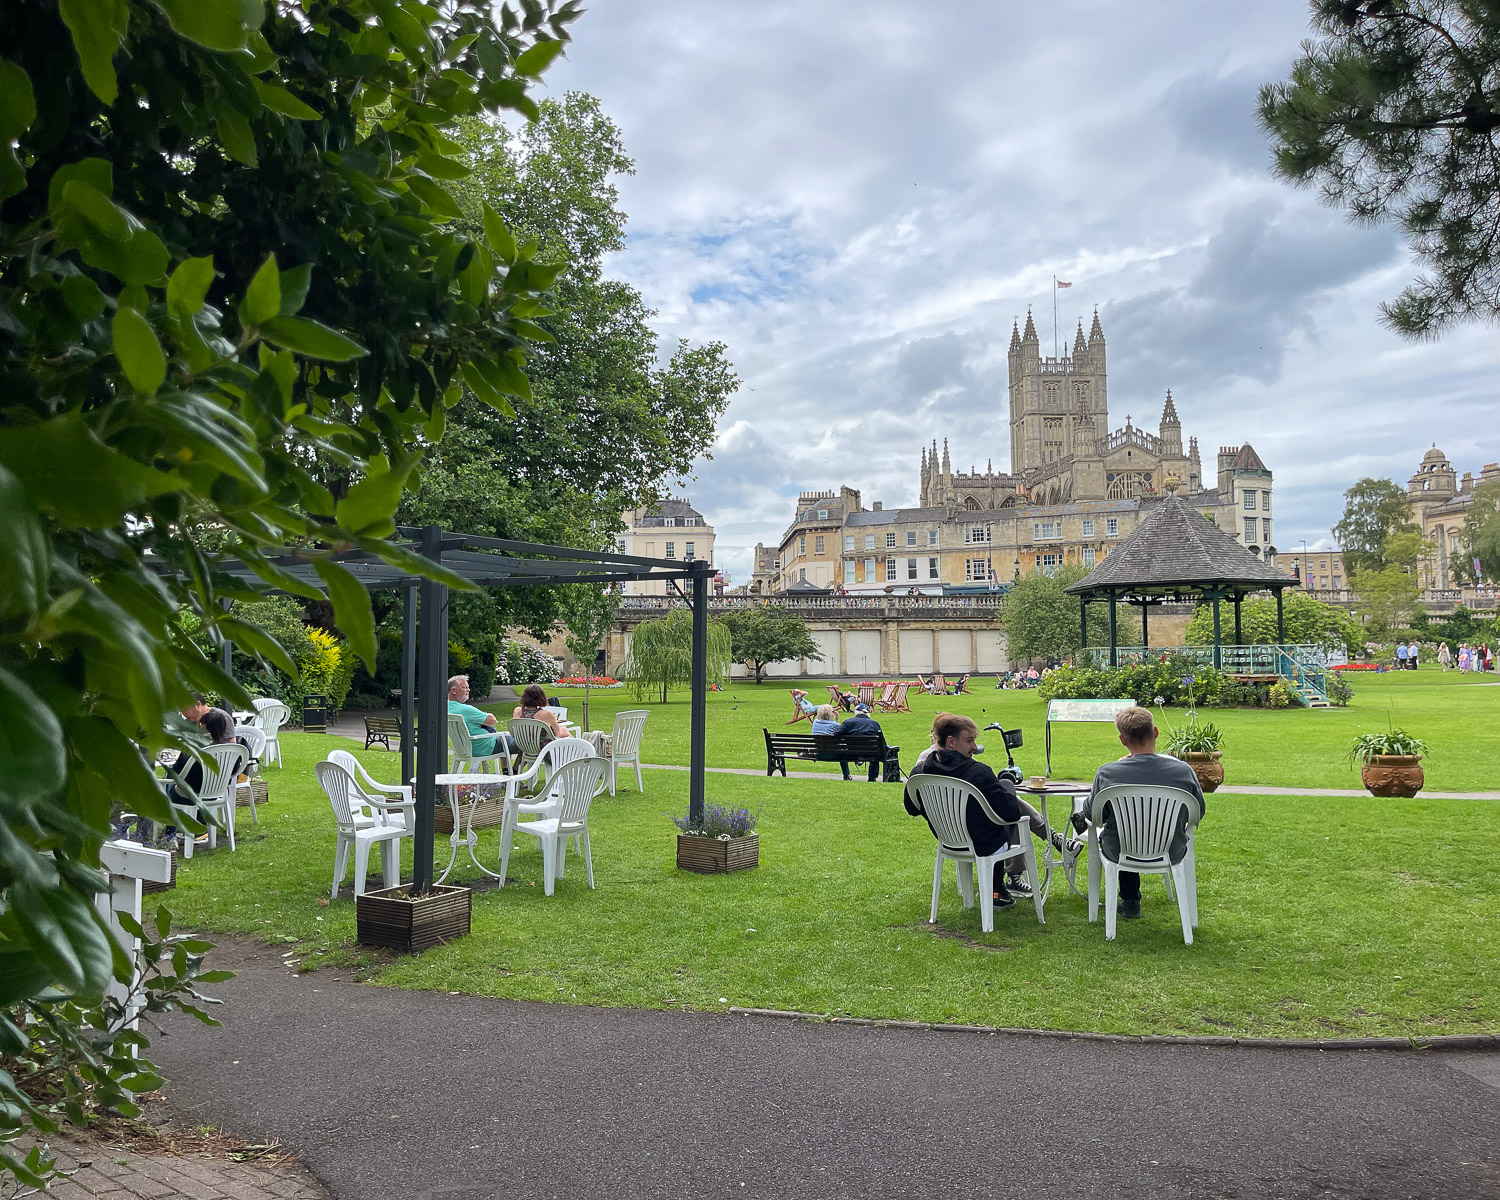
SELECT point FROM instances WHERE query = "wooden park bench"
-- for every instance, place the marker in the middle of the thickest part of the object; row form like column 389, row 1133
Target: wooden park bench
column 827, row 747
column 381, row 729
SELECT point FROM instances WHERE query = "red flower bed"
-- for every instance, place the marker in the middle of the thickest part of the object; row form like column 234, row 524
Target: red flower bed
column 1361, row 667
column 593, row 681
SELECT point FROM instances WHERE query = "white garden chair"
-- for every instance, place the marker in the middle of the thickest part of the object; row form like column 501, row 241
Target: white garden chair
column 364, row 821
column 1146, row 819
column 562, row 813
column 464, row 758
column 222, row 765
column 944, row 802
column 530, row 735
column 255, row 745
column 270, row 716
column 373, row 787
column 625, row 744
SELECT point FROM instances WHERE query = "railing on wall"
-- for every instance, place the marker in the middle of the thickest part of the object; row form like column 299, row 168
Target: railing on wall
column 1303, row 667
column 825, row 605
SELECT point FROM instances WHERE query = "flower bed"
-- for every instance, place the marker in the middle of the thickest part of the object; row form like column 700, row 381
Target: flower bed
column 596, row 681
column 1379, row 668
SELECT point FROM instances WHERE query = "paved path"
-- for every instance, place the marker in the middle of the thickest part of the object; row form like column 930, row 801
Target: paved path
column 389, row 1094
column 110, row 1173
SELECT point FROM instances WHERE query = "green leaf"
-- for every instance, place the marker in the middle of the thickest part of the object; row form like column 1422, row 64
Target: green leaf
column 25, row 557
column 538, row 58
column 434, row 196
column 500, row 238
column 84, row 299
column 74, row 475
column 32, row 762
column 17, row 112
column 115, row 757
column 234, row 132
column 278, row 99
column 294, row 284
column 97, row 209
column 213, row 23
column 98, row 27
column 188, row 287
column 22, row 974
column 311, row 339
column 440, row 167
column 254, row 638
column 263, row 296
column 138, row 351
column 485, row 390
column 369, row 508
column 64, row 933
column 351, row 608
column 505, row 376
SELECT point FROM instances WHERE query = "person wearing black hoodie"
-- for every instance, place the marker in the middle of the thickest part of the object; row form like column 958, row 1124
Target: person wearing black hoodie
column 954, row 740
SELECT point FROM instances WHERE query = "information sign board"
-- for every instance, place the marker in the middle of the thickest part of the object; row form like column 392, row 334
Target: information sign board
column 1074, row 711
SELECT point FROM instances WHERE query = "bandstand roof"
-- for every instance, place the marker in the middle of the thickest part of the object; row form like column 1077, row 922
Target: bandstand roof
column 1178, row 550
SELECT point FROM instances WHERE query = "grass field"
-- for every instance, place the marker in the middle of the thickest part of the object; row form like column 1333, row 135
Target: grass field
column 1456, row 715
column 1320, row 916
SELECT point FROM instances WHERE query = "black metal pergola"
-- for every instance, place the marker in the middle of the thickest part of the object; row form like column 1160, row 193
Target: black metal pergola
column 1178, row 554
column 489, row 562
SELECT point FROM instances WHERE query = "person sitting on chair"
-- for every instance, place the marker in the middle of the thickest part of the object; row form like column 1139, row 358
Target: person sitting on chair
column 480, row 724
column 825, row 720
column 804, row 705
column 954, row 744
column 186, row 771
column 534, row 705
column 1141, row 765
column 861, row 723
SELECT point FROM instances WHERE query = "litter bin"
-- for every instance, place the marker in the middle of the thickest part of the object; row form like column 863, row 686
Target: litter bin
column 315, row 714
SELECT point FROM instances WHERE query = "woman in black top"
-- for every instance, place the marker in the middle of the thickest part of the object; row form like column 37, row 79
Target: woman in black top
column 187, row 770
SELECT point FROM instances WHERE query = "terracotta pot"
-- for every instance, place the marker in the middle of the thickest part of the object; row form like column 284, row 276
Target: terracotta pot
column 1393, row 775
column 1206, row 766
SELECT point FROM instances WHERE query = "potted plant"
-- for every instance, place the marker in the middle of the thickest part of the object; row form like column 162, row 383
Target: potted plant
column 1200, row 745
column 1390, row 762
column 398, row 919
column 725, row 840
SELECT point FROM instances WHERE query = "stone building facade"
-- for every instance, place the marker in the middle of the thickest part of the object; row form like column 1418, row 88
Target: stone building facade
column 1074, row 489
column 1440, row 503
column 673, row 529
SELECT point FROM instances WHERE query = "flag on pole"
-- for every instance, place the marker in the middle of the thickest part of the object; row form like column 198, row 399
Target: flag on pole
column 1061, row 284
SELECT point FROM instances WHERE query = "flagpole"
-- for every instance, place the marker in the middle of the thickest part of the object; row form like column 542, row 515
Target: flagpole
column 1054, row 316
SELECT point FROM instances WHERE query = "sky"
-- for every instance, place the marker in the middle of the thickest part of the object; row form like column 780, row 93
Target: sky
column 859, row 198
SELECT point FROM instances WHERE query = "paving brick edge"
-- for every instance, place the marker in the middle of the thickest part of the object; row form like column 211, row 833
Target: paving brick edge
column 1452, row 1041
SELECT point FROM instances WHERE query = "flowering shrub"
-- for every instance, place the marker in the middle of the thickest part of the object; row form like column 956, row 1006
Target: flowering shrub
column 598, row 681
column 526, row 663
column 719, row 821
column 1173, row 680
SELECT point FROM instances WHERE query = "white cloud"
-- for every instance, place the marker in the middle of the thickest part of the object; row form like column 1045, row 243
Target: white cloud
column 858, row 197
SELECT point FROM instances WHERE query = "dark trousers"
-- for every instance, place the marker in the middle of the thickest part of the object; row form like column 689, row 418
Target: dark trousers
column 1130, row 885
column 874, row 771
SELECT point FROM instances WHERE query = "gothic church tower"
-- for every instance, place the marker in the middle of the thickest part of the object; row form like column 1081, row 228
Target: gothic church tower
column 1058, row 406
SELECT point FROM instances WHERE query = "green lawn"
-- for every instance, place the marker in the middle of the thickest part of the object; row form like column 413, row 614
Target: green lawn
column 1320, row 917
column 1298, row 747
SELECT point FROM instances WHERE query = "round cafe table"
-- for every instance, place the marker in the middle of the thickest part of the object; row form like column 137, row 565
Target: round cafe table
column 463, row 832
column 1076, row 793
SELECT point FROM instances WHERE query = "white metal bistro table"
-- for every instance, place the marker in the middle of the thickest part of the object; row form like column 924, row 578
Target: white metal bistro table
column 1076, row 793
column 463, row 832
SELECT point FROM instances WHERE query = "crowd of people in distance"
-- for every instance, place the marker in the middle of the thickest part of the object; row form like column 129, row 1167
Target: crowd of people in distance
column 1469, row 658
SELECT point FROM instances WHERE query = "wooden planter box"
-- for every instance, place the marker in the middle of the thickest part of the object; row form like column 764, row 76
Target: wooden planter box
column 711, row 856
column 393, row 918
column 487, row 813
column 258, row 789
column 148, row 885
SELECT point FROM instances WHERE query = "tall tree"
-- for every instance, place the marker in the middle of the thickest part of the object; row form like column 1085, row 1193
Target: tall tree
column 661, row 654
column 1374, row 510
column 222, row 259
column 1481, row 536
column 1392, row 111
column 762, row 636
column 1042, row 622
column 1309, row 622
column 1386, row 596
column 609, row 425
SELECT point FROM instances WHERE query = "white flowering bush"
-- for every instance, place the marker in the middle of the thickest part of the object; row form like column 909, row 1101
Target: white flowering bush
column 526, row 663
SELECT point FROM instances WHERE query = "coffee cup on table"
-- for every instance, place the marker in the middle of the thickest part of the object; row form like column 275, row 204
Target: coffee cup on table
column 1038, row 781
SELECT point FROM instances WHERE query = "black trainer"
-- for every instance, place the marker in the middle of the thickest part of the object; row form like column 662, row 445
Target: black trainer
column 1130, row 907
column 1018, row 885
column 1003, row 898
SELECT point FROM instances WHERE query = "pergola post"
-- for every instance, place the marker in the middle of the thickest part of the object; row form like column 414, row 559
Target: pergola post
column 1083, row 622
column 226, row 647
column 432, row 715
column 1280, row 619
column 408, row 682
column 1239, row 636
column 1145, row 628
column 1114, row 654
column 698, row 717
column 1218, row 652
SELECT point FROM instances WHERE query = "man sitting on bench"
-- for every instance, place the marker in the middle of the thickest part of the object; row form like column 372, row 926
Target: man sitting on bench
column 861, row 722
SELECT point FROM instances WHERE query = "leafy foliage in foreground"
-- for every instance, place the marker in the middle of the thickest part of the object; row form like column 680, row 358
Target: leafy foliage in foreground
column 232, row 309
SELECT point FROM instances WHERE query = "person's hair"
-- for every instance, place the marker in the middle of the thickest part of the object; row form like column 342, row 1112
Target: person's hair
column 534, row 696
column 947, row 725
column 453, row 682
column 825, row 713
column 1135, row 725
column 553, row 700
column 218, row 724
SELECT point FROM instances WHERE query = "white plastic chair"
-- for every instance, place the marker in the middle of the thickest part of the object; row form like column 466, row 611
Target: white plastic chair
column 271, row 715
column 1146, row 820
column 364, row 821
column 625, row 744
column 255, row 745
column 463, row 756
column 562, row 813
column 373, row 787
column 944, row 801
column 222, row 764
column 530, row 735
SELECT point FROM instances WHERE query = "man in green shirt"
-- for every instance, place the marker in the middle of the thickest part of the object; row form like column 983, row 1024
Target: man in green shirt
column 481, row 725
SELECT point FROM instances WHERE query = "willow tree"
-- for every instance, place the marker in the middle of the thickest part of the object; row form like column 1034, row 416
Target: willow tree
column 661, row 654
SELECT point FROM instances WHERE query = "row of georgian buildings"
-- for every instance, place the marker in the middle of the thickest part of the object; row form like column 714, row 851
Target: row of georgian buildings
column 1074, row 490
